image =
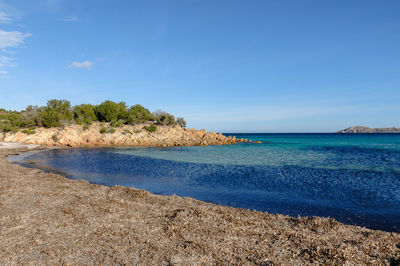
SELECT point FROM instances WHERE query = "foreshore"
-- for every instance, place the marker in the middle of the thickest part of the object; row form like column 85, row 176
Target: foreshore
column 49, row 219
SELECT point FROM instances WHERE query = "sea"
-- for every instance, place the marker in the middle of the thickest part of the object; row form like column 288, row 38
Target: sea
column 353, row 178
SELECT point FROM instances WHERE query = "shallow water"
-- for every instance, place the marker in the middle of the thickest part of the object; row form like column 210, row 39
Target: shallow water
column 353, row 178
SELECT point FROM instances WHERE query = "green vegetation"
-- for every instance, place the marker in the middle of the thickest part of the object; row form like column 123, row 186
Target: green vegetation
column 139, row 114
column 126, row 131
column 110, row 111
column 181, row 122
column 116, row 123
column 60, row 113
column 54, row 138
column 104, row 130
column 151, row 128
column 84, row 113
column 57, row 113
column 10, row 121
column 28, row 131
column 164, row 118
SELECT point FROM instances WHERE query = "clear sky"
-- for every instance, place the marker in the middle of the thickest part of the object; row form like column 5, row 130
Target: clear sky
column 230, row 66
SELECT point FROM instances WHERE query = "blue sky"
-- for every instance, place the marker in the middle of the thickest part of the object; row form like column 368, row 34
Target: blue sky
column 230, row 66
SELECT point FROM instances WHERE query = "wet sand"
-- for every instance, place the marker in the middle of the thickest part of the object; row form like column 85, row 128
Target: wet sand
column 48, row 219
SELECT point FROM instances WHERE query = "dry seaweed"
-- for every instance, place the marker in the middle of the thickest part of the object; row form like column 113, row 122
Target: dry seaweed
column 49, row 219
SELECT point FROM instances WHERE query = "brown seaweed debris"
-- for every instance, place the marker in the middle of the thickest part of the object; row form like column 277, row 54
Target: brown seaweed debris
column 49, row 219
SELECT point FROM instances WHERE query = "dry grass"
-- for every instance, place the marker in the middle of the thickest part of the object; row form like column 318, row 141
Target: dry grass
column 49, row 219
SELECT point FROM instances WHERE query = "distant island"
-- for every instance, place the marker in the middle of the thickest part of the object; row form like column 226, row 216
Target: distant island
column 361, row 129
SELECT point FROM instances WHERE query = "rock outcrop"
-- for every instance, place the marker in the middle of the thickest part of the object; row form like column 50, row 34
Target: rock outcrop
column 360, row 129
column 79, row 136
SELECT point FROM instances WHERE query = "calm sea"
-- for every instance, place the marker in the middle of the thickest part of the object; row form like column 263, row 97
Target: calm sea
column 352, row 178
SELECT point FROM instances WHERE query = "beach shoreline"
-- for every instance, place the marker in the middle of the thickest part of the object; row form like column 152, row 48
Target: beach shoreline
column 49, row 219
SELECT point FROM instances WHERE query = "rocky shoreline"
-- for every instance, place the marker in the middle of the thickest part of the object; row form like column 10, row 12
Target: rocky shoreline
column 102, row 134
column 49, row 219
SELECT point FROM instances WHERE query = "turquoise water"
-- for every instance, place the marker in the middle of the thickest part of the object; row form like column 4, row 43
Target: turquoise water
column 353, row 178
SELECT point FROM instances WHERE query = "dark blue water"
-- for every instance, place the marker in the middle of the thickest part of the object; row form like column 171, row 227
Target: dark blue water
column 353, row 178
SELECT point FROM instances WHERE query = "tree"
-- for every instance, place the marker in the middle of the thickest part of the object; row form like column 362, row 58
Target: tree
column 107, row 111
column 139, row 114
column 164, row 118
column 84, row 113
column 56, row 114
column 122, row 111
column 181, row 122
column 30, row 116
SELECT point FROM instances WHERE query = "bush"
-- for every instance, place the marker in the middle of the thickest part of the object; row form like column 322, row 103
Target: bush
column 30, row 116
column 126, row 131
column 109, row 111
column 151, row 129
column 28, row 131
column 84, row 113
column 104, row 130
column 56, row 113
column 6, row 127
column 85, row 127
column 181, row 122
column 10, row 121
column 122, row 111
column 54, row 138
column 115, row 123
column 139, row 114
column 164, row 118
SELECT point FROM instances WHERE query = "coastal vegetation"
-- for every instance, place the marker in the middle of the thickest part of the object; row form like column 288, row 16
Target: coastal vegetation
column 60, row 113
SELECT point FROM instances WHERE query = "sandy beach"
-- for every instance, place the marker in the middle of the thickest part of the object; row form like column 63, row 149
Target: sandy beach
column 49, row 219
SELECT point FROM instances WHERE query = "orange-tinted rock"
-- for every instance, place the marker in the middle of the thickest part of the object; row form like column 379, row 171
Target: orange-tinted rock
column 128, row 135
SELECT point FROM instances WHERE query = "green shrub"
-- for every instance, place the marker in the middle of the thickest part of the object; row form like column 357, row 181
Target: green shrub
column 28, row 131
column 54, row 138
column 122, row 111
column 30, row 116
column 7, row 127
column 126, row 131
column 10, row 121
column 139, row 114
column 84, row 113
column 116, row 123
column 181, row 122
column 107, row 111
column 56, row 113
column 85, row 127
column 151, row 128
column 104, row 130
column 164, row 118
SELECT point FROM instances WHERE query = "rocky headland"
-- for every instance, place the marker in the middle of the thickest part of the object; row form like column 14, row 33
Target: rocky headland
column 101, row 134
column 361, row 129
